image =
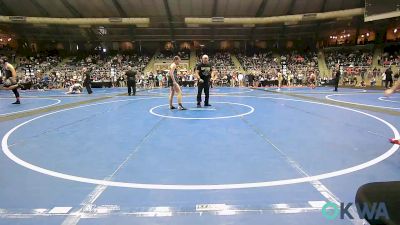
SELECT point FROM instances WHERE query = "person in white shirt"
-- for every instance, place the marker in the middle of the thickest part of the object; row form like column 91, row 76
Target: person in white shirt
column 240, row 78
column 114, row 79
column 280, row 79
column 383, row 79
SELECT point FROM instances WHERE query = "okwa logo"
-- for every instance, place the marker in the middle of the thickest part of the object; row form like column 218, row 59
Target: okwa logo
column 371, row 211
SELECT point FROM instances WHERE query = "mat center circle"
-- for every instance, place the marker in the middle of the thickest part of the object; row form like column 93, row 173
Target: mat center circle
column 218, row 110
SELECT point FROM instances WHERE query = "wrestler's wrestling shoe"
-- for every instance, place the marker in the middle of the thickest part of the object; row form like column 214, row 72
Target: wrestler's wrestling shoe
column 180, row 107
column 394, row 141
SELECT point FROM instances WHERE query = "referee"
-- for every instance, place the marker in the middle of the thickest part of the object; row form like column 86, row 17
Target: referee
column 337, row 78
column 87, row 80
column 131, row 77
column 204, row 72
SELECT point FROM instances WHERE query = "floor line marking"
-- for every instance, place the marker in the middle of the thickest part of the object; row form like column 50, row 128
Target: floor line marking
column 358, row 127
column 322, row 189
column 202, row 109
column 329, row 97
column 385, row 100
column 60, row 210
column 58, row 101
column 195, row 91
column 327, row 175
column 103, row 211
column 152, row 111
column 87, row 204
column 317, row 204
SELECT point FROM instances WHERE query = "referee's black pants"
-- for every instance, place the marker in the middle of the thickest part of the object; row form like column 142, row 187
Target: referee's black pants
column 336, row 84
column 131, row 87
column 88, row 88
column 388, row 83
column 206, row 87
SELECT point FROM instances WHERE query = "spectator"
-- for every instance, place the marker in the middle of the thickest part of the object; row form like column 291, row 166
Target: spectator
column 389, row 78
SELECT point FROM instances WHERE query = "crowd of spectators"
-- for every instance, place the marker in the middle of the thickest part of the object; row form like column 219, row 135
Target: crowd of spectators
column 169, row 54
column 258, row 62
column 220, row 60
column 35, row 70
column 262, row 68
column 105, row 71
column 300, row 66
column 40, row 63
column 391, row 56
column 353, row 64
column 356, row 58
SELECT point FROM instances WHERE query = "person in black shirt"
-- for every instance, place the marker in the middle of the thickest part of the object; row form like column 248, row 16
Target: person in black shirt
column 250, row 78
column 10, row 82
column 87, row 80
column 363, row 72
column 337, row 78
column 229, row 78
column 204, row 72
column 131, row 81
column 389, row 78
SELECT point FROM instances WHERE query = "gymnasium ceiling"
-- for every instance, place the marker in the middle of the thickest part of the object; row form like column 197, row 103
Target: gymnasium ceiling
column 167, row 18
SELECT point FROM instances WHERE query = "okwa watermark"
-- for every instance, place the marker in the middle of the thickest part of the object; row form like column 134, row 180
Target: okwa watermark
column 372, row 211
